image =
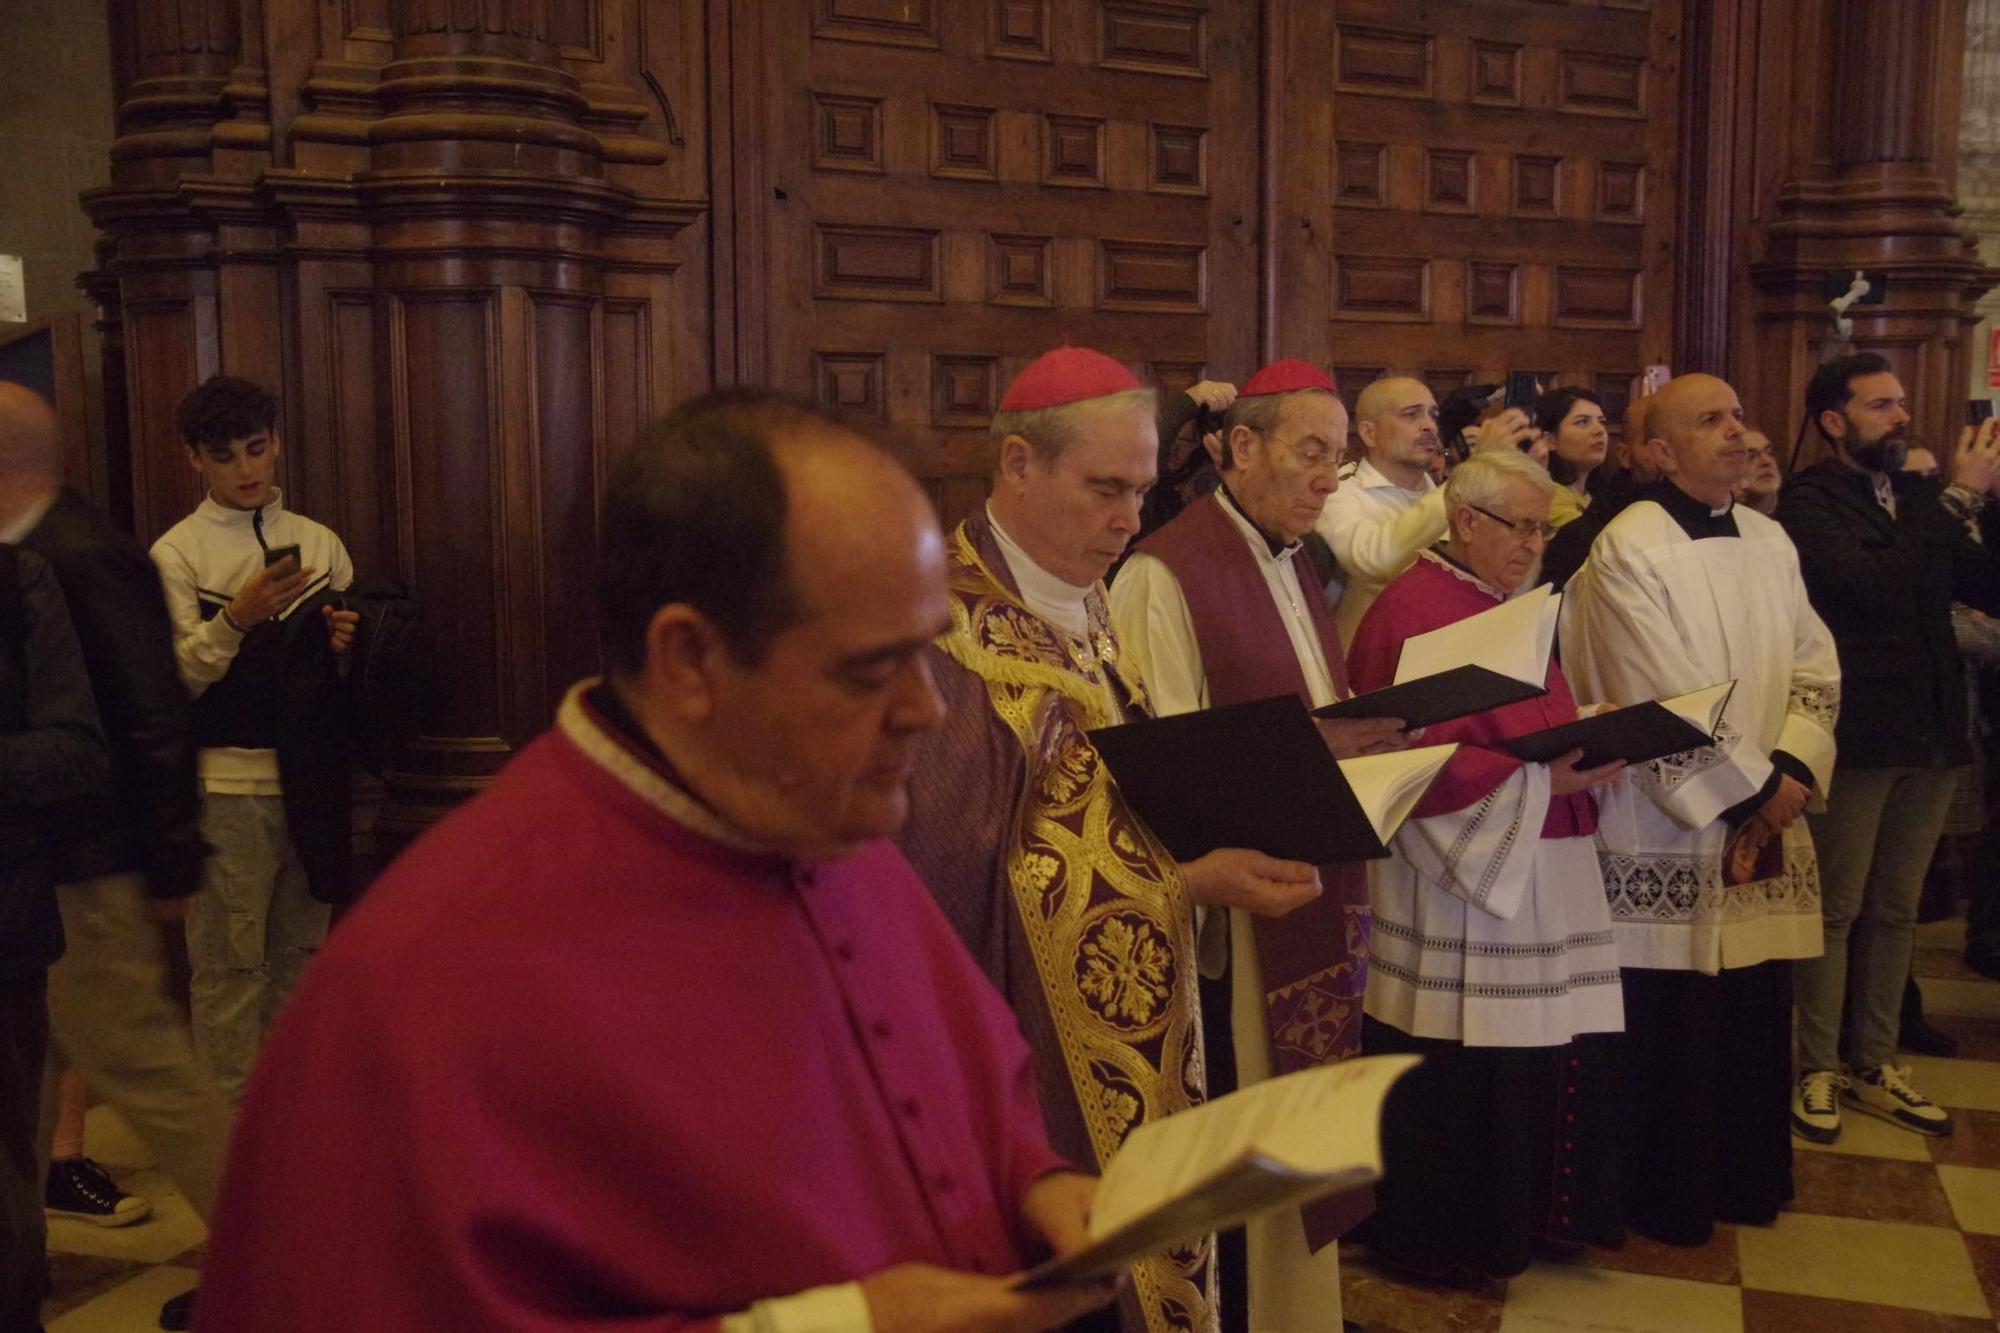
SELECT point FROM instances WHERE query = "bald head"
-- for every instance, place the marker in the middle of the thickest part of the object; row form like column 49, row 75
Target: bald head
column 1696, row 437
column 1672, row 412
column 1385, row 397
column 1397, row 420
column 29, row 442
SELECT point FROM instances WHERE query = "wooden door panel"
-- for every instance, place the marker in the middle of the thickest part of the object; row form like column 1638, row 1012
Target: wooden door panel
column 951, row 188
column 1502, row 187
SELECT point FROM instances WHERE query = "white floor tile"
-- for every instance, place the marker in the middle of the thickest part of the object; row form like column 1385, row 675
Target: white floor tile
column 1550, row 1297
column 1975, row 1197
column 131, row 1307
column 1974, row 1084
column 1946, row 934
column 1971, row 999
column 1844, row 1258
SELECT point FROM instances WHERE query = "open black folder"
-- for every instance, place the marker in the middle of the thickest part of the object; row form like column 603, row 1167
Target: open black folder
column 1498, row 657
column 1259, row 775
column 1635, row 734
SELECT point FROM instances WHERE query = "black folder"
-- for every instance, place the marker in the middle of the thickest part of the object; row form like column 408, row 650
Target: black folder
column 1459, row 692
column 1635, row 734
column 1254, row 775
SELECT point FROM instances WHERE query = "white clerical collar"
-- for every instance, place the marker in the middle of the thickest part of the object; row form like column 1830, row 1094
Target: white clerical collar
column 17, row 532
column 1371, row 477
column 1060, row 603
column 1253, row 534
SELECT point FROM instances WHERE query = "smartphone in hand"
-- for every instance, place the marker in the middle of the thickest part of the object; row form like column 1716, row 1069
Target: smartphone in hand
column 1978, row 410
column 275, row 555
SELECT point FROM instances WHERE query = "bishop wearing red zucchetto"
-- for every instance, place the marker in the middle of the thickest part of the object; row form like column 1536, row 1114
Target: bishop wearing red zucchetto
column 1085, row 922
column 1219, row 607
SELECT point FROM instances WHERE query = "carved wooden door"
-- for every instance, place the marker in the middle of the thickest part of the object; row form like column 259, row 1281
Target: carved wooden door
column 946, row 188
column 1503, row 189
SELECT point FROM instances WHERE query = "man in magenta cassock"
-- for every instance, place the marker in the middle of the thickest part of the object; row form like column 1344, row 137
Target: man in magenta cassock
column 658, row 1032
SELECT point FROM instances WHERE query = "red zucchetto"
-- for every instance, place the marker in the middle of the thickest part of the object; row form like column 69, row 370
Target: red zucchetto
column 1288, row 376
column 1066, row 375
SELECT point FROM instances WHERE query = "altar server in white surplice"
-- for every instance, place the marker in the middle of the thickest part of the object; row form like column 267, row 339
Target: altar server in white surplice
column 1708, row 867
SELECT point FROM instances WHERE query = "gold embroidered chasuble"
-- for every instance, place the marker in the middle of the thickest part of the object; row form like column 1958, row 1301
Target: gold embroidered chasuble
column 1100, row 902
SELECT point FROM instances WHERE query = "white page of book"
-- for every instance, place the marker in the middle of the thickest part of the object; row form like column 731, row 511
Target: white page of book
column 1702, row 708
column 1390, row 785
column 1320, row 1121
column 1513, row 639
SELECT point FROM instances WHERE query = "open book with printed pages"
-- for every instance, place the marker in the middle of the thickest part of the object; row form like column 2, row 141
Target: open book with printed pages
column 1276, row 1144
column 1485, row 661
column 1259, row 775
column 1635, row 734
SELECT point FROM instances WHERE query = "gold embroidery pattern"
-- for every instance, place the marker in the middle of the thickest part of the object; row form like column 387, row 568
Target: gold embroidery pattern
column 1100, row 901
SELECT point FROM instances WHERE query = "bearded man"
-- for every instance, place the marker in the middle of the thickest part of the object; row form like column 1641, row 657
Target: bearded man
column 1884, row 553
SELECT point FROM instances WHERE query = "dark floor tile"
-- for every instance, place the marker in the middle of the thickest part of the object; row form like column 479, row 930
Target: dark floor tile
column 1985, row 1252
column 1382, row 1305
column 1974, row 1142
column 1977, row 1038
column 1873, row 1188
column 1782, row 1312
column 1713, row 1262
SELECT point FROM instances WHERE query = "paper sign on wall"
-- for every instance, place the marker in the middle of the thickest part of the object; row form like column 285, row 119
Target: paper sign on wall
column 13, row 291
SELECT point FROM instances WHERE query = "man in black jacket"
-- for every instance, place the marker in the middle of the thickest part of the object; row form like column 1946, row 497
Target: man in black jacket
column 1884, row 552
column 51, row 751
column 128, row 855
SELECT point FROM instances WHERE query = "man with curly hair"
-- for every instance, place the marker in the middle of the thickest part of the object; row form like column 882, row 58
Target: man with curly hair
column 248, row 587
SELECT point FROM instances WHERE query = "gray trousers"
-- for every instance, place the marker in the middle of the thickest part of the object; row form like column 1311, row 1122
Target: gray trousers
column 112, row 1018
column 1875, row 842
column 251, row 931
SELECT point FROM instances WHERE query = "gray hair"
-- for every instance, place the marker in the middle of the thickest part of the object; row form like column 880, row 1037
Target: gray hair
column 1482, row 480
column 1260, row 413
column 1050, row 430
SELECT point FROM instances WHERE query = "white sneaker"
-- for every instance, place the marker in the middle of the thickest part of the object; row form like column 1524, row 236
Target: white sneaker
column 1885, row 1091
column 1816, row 1105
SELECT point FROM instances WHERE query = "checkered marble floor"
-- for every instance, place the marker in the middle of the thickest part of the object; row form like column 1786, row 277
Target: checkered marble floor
column 1890, row 1232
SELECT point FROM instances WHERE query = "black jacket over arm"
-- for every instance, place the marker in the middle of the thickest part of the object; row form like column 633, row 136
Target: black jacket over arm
column 148, row 817
column 51, row 751
column 1884, row 586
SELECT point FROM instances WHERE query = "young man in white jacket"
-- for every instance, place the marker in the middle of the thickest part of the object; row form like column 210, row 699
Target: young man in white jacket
column 236, row 571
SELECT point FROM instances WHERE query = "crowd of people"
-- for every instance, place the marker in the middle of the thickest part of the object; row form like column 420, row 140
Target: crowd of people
column 803, row 975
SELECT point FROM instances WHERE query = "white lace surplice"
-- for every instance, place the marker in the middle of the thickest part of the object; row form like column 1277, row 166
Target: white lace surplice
column 1490, row 934
column 1655, row 613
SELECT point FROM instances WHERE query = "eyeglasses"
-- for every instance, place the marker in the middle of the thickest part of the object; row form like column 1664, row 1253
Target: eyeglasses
column 1522, row 528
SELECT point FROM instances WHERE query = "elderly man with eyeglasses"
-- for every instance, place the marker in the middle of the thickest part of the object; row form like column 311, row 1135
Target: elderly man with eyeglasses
column 1493, row 956
column 1214, row 608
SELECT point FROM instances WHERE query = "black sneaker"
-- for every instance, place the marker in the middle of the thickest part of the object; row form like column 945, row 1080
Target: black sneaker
column 178, row 1313
column 78, row 1188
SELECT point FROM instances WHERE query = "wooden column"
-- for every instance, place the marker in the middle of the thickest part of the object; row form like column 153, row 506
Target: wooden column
column 454, row 237
column 1870, row 185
